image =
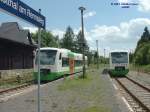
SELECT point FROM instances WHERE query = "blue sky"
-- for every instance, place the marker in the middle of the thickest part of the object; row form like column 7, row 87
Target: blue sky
column 113, row 26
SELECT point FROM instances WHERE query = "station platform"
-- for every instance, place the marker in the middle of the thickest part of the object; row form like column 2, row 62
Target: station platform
column 96, row 93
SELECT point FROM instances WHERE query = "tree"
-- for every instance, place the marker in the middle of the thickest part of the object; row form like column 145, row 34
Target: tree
column 145, row 37
column 142, row 52
column 47, row 39
column 96, row 56
column 131, row 57
column 142, row 55
column 79, row 43
column 68, row 39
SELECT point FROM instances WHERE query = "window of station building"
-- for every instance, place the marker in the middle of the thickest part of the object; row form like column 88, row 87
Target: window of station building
column 65, row 62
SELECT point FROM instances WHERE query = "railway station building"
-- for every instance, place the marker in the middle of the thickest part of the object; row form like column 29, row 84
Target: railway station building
column 16, row 50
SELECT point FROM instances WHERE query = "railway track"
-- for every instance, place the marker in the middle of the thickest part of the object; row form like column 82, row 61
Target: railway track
column 137, row 94
column 24, row 86
column 9, row 93
column 14, row 88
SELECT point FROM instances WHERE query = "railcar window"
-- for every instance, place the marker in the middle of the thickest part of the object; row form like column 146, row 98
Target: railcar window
column 78, row 62
column 47, row 57
column 65, row 62
column 60, row 56
column 119, row 57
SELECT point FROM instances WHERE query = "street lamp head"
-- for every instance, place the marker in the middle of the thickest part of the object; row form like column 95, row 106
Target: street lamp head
column 82, row 8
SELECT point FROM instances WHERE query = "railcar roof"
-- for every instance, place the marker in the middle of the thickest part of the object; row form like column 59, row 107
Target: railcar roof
column 48, row 48
column 118, row 51
column 52, row 48
column 64, row 51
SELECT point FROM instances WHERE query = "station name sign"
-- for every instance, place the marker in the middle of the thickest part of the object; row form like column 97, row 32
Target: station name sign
column 23, row 11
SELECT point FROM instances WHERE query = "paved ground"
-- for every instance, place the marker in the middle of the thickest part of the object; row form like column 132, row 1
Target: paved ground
column 94, row 94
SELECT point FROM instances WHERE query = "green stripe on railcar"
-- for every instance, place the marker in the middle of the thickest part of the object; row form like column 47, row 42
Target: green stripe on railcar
column 50, row 76
column 118, row 73
column 53, row 75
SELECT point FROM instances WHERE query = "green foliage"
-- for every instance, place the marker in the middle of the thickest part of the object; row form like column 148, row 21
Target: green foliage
column 68, row 39
column 47, row 39
column 146, row 35
column 90, row 57
column 141, row 56
column 80, row 42
column 142, row 52
column 97, row 109
column 95, row 57
column 131, row 57
column 103, row 60
column 141, row 68
column 74, row 42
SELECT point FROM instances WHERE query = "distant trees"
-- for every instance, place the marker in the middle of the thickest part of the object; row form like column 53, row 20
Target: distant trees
column 47, row 39
column 146, row 36
column 142, row 52
column 69, row 41
column 74, row 42
column 79, row 43
column 95, row 57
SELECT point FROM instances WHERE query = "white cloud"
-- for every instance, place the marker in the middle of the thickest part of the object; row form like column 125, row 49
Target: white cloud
column 144, row 5
column 31, row 29
column 124, row 36
column 89, row 14
column 58, row 32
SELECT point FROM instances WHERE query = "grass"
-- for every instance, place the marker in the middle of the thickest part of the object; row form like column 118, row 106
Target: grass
column 91, row 91
column 91, row 109
column 75, row 83
column 13, row 82
column 96, row 109
column 141, row 68
column 94, row 66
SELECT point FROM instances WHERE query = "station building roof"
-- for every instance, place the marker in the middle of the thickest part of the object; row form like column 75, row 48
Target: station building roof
column 11, row 31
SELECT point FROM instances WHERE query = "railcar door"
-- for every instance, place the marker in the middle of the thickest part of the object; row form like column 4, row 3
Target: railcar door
column 71, row 65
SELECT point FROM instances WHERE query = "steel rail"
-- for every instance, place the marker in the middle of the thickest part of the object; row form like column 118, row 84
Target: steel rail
column 139, row 84
column 147, row 109
column 14, row 88
column 25, row 85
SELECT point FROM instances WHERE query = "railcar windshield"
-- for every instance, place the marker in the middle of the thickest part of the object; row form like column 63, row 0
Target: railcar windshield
column 119, row 57
column 47, row 57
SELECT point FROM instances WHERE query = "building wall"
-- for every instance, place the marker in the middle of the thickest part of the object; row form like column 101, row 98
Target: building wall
column 13, row 74
column 15, row 56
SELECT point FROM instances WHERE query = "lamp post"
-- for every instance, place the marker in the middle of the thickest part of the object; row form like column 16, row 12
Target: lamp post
column 39, row 77
column 104, row 57
column 97, row 55
column 83, row 42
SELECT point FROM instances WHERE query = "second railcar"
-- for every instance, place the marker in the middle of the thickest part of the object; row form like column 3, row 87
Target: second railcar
column 119, row 63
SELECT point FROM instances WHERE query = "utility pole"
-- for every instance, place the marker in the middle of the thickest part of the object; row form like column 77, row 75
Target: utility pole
column 104, row 57
column 83, row 40
column 97, row 54
column 39, row 45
